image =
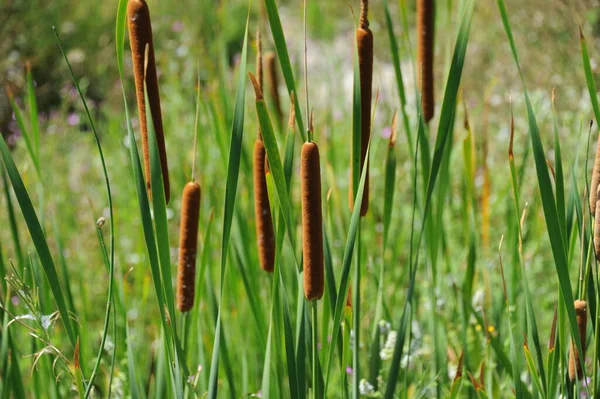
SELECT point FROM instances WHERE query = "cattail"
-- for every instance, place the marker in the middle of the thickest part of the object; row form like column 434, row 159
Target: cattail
column 273, row 83
column 188, row 245
column 140, row 35
column 425, row 38
column 595, row 180
column 265, row 235
column 312, row 229
column 574, row 357
column 264, row 223
column 364, row 39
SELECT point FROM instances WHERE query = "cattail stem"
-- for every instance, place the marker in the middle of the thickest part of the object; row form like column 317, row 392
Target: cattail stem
column 140, row 34
column 312, row 220
column 425, row 45
column 315, row 352
column 364, row 39
column 575, row 369
column 188, row 246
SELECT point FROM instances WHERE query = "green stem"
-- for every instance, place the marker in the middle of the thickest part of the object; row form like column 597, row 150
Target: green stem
column 315, row 353
column 356, row 320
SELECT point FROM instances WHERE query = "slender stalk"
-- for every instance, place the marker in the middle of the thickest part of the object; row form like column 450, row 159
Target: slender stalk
column 356, row 318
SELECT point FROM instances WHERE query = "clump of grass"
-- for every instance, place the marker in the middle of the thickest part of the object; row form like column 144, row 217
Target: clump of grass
column 188, row 246
column 364, row 39
column 140, row 38
column 425, row 49
column 273, row 83
column 574, row 356
column 312, row 232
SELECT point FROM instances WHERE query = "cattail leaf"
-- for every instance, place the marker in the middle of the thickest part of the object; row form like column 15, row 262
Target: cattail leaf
column 389, row 189
column 159, row 207
column 398, row 74
column 25, row 133
column 233, row 169
column 356, row 127
column 38, row 238
column 12, row 221
column 289, row 343
column 134, row 384
column 533, row 370
column 559, row 178
column 284, row 59
column 33, row 111
column 120, row 36
column 589, row 76
column 553, row 224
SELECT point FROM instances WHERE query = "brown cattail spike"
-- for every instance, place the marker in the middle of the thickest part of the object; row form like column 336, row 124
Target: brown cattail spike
column 595, row 180
column 270, row 61
column 425, row 43
column 364, row 39
column 574, row 357
column 140, row 35
column 265, row 235
column 188, row 245
column 312, row 229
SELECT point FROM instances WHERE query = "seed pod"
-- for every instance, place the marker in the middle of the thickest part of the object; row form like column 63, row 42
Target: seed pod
column 188, row 246
column 265, row 235
column 312, row 221
column 273, row 83
column 140, row 36
column 595, row 180
column 364, row 39
column 425, row 43
column 574, row 357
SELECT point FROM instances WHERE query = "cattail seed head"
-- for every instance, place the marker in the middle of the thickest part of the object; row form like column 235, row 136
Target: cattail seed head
column 140, row 36
column 265, row 235
column 312, row 221
column 425, row 46
column 595, row 180
column 270, row 64
column 188, row 246
column 364, row 39
column 575, row 369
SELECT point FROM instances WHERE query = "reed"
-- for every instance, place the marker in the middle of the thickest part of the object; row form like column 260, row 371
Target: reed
column 575, row 369
column 425, row 43
column 188, row 246
column 273, row 83
column 312, row 230
column 364, row 39
column 140, row 35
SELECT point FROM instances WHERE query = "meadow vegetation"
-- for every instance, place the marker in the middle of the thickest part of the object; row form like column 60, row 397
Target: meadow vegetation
column 241, row 267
